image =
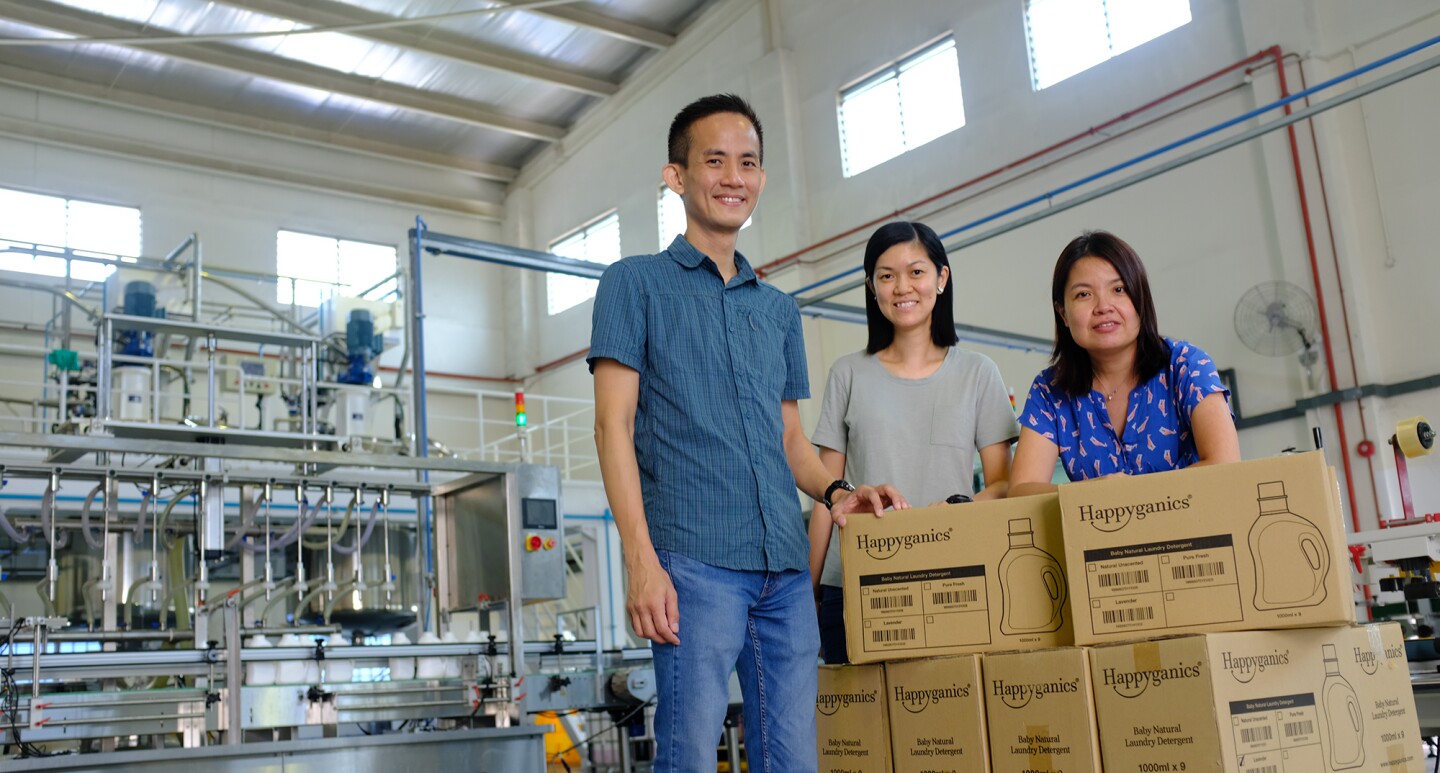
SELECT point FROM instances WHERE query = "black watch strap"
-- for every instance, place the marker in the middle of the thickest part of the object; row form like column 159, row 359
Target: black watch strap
column 836, row 486
column 958, row 499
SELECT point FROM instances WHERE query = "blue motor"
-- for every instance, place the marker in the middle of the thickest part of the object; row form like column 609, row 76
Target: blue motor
column 363, row 346
column 139, row 302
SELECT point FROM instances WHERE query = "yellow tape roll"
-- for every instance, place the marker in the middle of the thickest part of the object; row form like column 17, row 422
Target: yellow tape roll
column 1414, row 436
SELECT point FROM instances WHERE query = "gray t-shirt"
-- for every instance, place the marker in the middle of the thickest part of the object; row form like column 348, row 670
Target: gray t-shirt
column 920, row 434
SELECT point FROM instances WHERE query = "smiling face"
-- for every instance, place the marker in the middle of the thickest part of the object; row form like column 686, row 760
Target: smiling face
column 722, row 179
column 1097, row 308
column 906, row 283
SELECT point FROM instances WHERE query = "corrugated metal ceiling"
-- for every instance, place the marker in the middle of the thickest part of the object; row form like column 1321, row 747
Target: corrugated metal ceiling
column 487, row 82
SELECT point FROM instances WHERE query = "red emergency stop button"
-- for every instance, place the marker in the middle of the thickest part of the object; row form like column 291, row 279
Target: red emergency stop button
column 533, row 542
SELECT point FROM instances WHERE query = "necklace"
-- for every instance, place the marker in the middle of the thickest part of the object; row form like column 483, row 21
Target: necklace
column 1107, row 391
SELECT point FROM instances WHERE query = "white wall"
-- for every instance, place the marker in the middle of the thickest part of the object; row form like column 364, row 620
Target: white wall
column 1208, row 231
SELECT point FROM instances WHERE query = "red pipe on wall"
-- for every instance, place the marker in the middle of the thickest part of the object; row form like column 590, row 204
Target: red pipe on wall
column 1279, row 59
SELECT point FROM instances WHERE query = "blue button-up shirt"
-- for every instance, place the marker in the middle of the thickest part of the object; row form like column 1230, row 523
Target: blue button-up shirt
column 715, row 360
column 1156, row 436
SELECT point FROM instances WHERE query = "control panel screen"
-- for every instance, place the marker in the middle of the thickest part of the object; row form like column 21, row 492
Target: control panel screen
column 539, row 514
column 252, row 368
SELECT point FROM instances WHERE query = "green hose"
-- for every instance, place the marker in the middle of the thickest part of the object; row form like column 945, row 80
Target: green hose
column 42, row 589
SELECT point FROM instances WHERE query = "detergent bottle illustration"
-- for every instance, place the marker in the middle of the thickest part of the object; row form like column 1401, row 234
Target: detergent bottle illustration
column 1344, row 722
column 1291, row 556
column 1032, row 584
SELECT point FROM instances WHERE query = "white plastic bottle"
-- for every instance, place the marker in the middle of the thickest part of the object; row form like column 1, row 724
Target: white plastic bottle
column 260, row 672
column 452, row 662
column 290, row 671
column 338, row 669
column 430, row 667
column 401, row 668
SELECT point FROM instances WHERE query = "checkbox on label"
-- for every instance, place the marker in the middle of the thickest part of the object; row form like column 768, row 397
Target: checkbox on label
column 1170, row 597
column 1095, row 603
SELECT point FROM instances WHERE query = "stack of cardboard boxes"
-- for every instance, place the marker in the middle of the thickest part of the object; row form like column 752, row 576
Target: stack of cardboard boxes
column 1212, row 608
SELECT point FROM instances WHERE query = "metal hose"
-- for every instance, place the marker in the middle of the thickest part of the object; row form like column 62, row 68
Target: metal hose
column 340, row 532
column 361, row 539
column 145, row 499
column 20, row 537
column 98, row 543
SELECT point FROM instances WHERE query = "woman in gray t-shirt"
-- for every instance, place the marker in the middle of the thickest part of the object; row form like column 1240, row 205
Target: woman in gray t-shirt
column 910, row 385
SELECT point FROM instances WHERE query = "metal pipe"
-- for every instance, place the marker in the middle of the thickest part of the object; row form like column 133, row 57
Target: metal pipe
column 210, row 397
column 233, row 670
column 271, row 310
column 202, row 572
column 196, row 269
column 416, row 317
column 172, row 255
column 64, row 295
column 47, row 516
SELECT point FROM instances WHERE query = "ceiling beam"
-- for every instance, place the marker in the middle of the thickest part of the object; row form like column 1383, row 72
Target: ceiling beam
column 72, row 88
column 84, row 24
column 56, row 135
column 431, row 39
column 629, row 32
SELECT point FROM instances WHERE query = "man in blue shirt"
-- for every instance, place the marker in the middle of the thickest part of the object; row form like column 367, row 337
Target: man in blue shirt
column 698, row 367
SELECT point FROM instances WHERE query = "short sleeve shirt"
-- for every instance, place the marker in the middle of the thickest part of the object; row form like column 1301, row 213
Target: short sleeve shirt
column 1156, row 436
column 919, row 434
column 716, row 360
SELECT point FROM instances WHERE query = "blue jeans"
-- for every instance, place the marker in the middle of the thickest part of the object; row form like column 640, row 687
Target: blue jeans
column 832, row 625
column 761, row 624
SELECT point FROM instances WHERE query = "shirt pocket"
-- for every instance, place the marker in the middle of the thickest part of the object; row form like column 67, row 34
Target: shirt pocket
column 952, row 423
column 760, row 350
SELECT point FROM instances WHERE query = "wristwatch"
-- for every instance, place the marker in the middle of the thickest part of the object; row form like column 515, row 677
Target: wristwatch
column 839, row 484
column 958, row 499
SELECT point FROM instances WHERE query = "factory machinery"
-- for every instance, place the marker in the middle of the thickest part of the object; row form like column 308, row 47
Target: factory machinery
column 1399, row 565
column 236, row 586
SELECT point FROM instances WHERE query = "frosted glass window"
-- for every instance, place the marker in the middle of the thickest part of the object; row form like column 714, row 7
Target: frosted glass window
column 598, row 242
column 35, row 230
column 908, row 103
column 1071, row 36
column 673, row 219
column 320, row 267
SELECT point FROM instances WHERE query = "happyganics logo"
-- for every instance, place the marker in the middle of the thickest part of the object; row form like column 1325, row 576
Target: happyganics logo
column 916, row 701
column 828, row 703
column 1133, row 684
column 1243, row 668
column 1019, row 695
column 886, row 546
column 1111, row 519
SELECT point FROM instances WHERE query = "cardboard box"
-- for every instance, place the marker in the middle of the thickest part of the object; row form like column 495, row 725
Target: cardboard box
column 852, row 730
column 1299, row 701
column 1041, row 712
column 937, row 715
column 1233, row 547
column 955, row 579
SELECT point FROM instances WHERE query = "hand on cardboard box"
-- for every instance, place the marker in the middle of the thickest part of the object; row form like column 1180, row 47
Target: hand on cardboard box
column 870, row 498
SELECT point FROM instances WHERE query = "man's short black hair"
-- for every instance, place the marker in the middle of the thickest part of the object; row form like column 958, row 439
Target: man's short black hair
column 704, row 107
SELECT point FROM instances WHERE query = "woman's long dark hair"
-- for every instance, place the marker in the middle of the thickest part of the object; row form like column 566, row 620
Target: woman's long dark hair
column 1073, row 372
column 942, row 320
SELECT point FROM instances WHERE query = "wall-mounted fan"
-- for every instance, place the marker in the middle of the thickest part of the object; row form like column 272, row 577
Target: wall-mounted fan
column 1278, row 319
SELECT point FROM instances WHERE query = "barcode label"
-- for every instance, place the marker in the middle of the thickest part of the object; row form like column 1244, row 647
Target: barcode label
column 1136, row 577
column 891, row 602
column 1256, row 734
column 1293, row 729
column 954, row 597
column 1265, row 769
column 1130, row 615
column 892, row 635
column 1195, row 571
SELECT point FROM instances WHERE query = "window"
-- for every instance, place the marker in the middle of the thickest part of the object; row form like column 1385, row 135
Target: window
column 672, row 216
column 1070, row 36
column 597, row 242
column 901, row 107
column 36, row 230
column 323, row 266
